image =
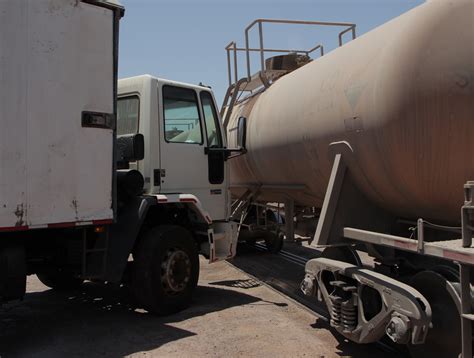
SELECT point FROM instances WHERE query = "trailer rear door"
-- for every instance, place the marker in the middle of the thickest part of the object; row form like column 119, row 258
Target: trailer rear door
column 57, row 106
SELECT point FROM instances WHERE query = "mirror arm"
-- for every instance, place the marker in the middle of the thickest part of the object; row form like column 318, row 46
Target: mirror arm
column 239, row 152
column 227, row 151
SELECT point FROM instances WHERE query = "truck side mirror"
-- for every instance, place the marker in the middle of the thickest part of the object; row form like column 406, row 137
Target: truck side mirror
column 130, row 148
column 242, row 134
column 241, row 144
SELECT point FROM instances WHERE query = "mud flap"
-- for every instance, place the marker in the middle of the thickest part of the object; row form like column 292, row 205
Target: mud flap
column 222, row 241
column 12, row 273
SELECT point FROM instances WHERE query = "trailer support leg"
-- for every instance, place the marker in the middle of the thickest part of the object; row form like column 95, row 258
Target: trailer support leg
column 344, row 204
column 321, row 236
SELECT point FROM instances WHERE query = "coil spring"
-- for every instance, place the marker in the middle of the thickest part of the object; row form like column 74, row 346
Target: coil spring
column 349, row 315
column 336, row 311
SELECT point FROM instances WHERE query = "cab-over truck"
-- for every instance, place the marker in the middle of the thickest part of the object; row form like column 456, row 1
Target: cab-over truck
column 94, row 188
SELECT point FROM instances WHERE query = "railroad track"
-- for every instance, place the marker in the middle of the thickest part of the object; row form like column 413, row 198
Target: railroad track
column 311, row 305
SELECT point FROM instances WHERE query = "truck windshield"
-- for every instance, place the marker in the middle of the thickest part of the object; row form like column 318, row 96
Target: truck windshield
column 127, row 115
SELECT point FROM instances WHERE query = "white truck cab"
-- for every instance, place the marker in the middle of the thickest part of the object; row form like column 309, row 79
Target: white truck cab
column 185, row 150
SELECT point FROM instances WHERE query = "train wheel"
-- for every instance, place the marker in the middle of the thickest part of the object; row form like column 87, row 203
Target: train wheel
column 444, row 337
column 342, row 253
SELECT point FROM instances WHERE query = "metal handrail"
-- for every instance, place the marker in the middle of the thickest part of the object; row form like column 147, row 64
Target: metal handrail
column 352, row 28
column 320, row 47
column 232, row 46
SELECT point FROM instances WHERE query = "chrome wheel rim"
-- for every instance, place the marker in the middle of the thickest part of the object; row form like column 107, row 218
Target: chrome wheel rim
column 175, row 271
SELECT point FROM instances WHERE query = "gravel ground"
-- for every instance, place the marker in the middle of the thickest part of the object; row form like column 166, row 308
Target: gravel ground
column 232, row 316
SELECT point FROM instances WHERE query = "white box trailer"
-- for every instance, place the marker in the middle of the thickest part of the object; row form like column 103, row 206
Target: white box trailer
column 56, row 123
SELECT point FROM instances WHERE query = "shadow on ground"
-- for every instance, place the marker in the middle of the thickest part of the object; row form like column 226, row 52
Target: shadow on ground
column 98, row 320
column 286, row 277
column 244, row 284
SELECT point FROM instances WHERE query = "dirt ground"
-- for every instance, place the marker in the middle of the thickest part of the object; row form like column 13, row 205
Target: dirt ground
column 232, row 315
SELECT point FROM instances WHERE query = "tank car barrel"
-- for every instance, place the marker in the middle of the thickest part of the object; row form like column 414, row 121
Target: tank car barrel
column 400, row 95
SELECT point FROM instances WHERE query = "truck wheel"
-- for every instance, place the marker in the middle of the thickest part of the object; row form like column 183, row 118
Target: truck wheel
column 165, row 270
column 274, row 241
column 12, row 273
column 59, row 279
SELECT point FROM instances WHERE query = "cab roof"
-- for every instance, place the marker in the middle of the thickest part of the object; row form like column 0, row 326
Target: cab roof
column 114, row 3
column 146, row 77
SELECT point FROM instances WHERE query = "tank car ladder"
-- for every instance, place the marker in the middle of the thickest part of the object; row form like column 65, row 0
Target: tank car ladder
column 240, row 207
column 265, row 76
column 230, row 99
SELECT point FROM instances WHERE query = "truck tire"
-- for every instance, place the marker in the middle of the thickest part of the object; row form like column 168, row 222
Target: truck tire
column 165, row 270
column 59, row 279
column 12, row 273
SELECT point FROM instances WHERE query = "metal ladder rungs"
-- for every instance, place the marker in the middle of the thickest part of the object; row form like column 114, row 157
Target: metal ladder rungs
column 94, row 258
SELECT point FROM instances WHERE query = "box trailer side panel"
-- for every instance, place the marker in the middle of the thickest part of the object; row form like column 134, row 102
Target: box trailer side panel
column 56, row 112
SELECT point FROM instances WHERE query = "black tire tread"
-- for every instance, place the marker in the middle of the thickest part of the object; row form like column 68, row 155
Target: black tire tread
column 146, row 290
column 59, row 280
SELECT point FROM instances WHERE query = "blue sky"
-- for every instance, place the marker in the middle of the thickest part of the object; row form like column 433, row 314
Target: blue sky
column 184, row 40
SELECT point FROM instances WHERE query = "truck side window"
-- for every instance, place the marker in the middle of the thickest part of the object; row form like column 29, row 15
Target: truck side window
column 127, row 115
column 214, row 138
column 181, row 115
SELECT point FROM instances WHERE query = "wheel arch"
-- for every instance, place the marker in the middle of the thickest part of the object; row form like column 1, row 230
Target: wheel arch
column 142, row 214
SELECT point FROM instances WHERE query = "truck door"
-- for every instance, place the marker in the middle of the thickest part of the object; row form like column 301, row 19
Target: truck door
column 216, row 160
column 184, row 159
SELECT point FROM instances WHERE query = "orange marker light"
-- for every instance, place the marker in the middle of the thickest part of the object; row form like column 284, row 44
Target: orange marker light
column 99, row 229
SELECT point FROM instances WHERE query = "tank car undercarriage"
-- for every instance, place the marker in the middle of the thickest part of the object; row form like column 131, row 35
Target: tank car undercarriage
column 418, row 291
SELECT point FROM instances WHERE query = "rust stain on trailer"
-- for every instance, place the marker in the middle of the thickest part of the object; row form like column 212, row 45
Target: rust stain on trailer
column 75, row 206
column 19, row 213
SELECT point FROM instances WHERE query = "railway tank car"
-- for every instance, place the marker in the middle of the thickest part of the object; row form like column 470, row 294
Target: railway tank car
column 377, row 136
column 401, row 96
